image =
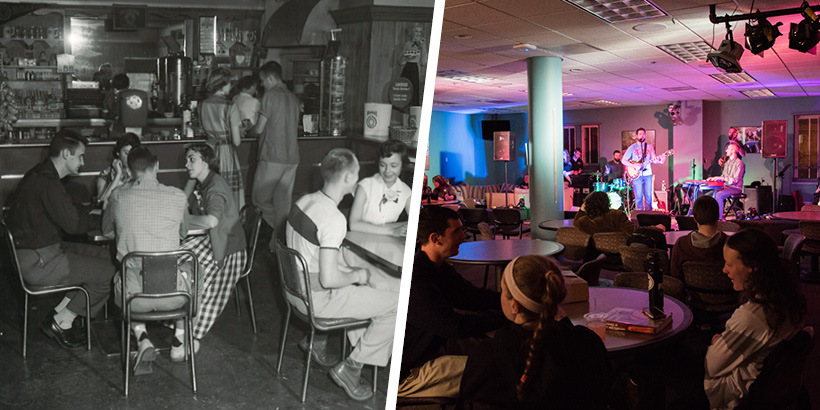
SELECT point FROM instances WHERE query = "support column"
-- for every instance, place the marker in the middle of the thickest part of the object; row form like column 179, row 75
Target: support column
column 546, row 129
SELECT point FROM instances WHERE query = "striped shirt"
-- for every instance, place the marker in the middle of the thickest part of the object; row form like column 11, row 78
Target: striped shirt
column 315, row 222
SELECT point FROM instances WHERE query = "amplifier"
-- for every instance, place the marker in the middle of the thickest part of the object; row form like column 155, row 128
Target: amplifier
column 759, row 198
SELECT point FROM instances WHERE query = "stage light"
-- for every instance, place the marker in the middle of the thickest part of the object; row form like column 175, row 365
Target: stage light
column 804, row 36
column 760, row 37
column 727, row 56
column 675, row 113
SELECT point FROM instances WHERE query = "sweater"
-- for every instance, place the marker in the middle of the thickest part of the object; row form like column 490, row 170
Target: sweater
column 612, row 221
column 696, row 247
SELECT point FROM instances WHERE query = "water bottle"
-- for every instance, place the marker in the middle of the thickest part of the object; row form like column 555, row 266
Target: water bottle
column 655, row 280
column 663, row 185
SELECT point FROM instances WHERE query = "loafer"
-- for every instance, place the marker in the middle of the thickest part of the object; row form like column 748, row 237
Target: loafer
column 319, row 356
column 178, row 350
column 348, row 379
column 144, row 359
column 66, row 338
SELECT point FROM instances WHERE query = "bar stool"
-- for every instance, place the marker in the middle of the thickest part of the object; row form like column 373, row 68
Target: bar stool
column 735, row 205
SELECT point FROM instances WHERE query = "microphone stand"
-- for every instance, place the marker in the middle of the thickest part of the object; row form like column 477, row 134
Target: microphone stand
column 780, row 175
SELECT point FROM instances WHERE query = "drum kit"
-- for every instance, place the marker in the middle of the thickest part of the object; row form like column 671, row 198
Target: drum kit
column 617, row 190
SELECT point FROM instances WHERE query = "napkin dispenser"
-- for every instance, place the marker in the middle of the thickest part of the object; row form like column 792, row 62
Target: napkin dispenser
column 577, row 288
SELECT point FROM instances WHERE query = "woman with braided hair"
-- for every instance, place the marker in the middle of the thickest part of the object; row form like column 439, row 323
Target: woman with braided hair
column 539, row 360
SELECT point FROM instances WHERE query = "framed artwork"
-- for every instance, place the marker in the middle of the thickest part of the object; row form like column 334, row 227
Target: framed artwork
column 750, row 138
column 628, row 138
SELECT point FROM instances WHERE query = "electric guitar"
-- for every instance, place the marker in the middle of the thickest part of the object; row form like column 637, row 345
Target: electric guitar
column 634, row 169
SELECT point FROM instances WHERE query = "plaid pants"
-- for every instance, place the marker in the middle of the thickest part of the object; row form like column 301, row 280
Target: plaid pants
column 215, row 284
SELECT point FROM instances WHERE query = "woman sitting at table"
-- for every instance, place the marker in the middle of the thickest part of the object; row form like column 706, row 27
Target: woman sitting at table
column 596, row 216
column 221, row 253
column 118, row 173
column 773, row 311
column 443, row 190
column 540, row 359
column 380, row 198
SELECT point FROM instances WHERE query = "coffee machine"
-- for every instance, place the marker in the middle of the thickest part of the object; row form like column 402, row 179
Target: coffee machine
column 175, row 86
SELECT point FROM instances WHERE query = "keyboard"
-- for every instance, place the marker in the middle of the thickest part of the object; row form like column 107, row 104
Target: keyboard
column 702, row 183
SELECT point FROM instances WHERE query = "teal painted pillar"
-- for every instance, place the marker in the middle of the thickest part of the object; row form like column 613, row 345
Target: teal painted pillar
column 546, row 129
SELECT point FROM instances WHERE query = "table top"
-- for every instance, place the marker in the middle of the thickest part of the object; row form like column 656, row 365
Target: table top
column 439, row 202
column 386, row 252
column 555, row 225
column 605, row 299
column 673, row 236
column 798, row 215
column 502, row 251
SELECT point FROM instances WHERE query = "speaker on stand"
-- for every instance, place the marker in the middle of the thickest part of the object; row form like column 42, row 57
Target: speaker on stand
column 503, row 146
column 773, row 144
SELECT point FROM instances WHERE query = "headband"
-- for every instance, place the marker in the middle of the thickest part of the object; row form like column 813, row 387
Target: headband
column 519, row 296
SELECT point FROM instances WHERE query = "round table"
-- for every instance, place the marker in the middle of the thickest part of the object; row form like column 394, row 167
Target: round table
column 439, row 202
column 499, row 253
column 798, row 215
column 626, row 343
column 556, row 224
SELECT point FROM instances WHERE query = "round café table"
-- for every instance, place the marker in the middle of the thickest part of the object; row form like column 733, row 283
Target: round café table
column 440, row 202
column 556, row 224
column 500, row 252
column 798, row 215
column 627, row 343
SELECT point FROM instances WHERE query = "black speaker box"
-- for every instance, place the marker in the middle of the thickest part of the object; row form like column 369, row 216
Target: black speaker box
column 759, row 198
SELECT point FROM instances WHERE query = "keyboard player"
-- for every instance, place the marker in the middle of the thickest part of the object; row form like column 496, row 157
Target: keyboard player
column 732, row 176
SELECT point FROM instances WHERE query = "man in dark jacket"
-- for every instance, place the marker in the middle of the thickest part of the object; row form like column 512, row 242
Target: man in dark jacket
column 437, row 291
column 41, row 213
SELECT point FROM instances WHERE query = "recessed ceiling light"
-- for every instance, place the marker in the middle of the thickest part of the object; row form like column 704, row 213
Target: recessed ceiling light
column 761, row 92
column 525, row 47
column 603, row 103
column 733, row 78
column 567, row 94
column 649, row 27
column 465, row 77
column 688, row 52
column 615, row 11
column 463, row 36
column 575, row 70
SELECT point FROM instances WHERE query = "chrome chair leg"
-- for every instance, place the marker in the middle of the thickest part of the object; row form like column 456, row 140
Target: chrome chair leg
column 250, row 301
column 284, row 339
column 25, row 324
column 189, row 323
column 307, row 364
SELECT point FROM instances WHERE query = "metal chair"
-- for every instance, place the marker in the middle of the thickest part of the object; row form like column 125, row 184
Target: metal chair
column 296, row 290
column 709, row 289
column 634, row 257
column 791, row 249
column 634, row 280
column 577, row 244
column 35, row 290
column 159, row 272
column 509, row 222
column 251, row 220
column 591, row 271
column 610, row 243
column 471, row 217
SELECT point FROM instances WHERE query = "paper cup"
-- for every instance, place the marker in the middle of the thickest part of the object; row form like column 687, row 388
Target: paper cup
column 377, row 121
column 415, row 117
column 597, row 323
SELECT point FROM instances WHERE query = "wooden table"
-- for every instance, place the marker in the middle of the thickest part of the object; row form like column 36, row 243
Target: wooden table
column 386, row 252
column 673, row 236
column 499, row 253
column 798, row 215
column 556, row 224
column 627, row 343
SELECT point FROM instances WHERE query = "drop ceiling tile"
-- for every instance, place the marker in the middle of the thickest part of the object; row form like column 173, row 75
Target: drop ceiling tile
column 449, row 25
column 507, row 29
column 475, row 14
column 527, row 8
column 476, row 36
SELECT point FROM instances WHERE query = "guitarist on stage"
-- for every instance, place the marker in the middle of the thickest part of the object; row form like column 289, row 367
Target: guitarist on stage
column 732, row 176
column 638, row 160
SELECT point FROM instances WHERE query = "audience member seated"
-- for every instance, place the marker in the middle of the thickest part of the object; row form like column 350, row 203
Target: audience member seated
column 540, row 359
column 118, row 173
column 443, row 306
column 222, row 253
column 443, row 190
column 380, row 198
column 426, row 191
column 41, row 214
column 774, row 310
column 705, row 244
column 142, row 226
column 596, row 216
column 316, row 229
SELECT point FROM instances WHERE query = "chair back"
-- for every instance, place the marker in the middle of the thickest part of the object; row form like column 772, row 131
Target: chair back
column 473, row 216
column 508, row 220
column 251, row 219
column 673, row 287
column 654, row 219
column 686, row 223
column 609, row 242
column 159, row 272
column 12, row 249
column 577, row 243
column 591, row 271
column 810, row 229
column 726, row 226
column 792, row 247
column 295, row 277
column 634, row 257
column 708, row 287
column 779, row 384
column 811, row 208
column 634, row 280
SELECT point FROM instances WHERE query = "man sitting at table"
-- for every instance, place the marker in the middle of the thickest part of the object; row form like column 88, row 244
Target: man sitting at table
column 41, row 213
column 142, row 226
column 316, row 228
column 705, row 244
column 437, row 291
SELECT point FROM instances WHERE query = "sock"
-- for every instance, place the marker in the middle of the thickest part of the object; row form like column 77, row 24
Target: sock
column 179, row 335
column 353, row 364
column 62, row 305
column 65, row 318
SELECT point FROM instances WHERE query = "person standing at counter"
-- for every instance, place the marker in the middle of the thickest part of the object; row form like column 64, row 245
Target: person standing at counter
column 278, row 126
column 222, row 124
column 41, row 212
column 221, row 253
column 118, row 173
column 246, row 102
column 380, row 198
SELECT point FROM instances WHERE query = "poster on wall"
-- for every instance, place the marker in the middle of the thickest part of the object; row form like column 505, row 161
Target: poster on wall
column 628, row 138
column 750, row 138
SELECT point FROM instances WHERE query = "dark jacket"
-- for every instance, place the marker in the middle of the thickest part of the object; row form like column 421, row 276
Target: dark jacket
column 435, row 294
column 42, row 210
column 574, row 372
column 612, row 221
column 227, row 237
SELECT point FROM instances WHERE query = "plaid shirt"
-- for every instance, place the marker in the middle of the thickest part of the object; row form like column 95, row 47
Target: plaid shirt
column 733, row 172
